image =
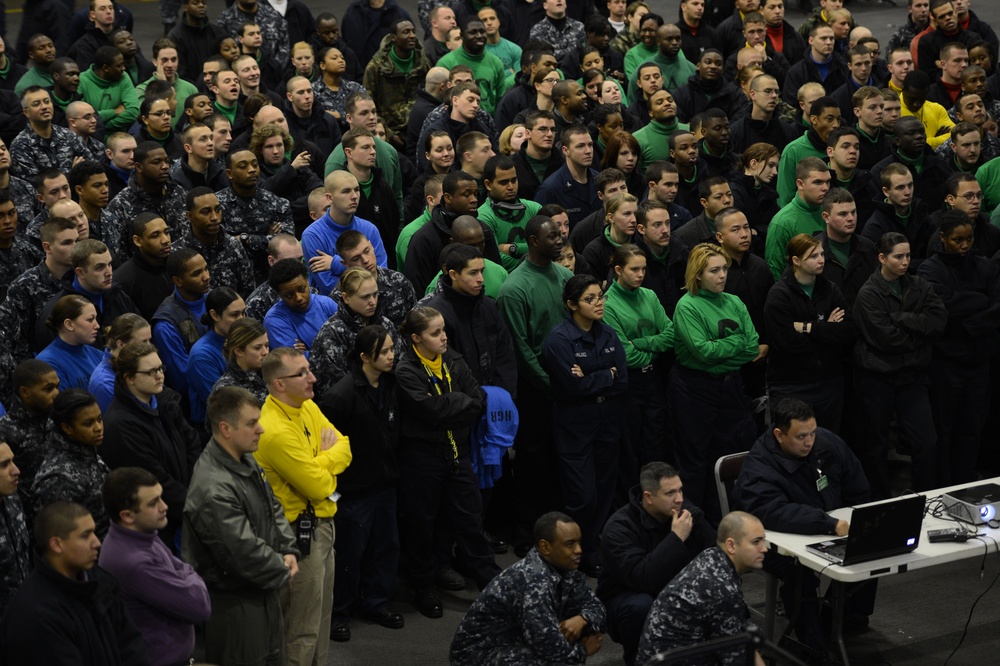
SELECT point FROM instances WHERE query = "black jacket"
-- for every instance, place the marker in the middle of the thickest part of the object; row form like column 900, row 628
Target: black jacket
column 928, row 184
column 693, row 43
column 12, row 123
column 423, row 105
column 746, row 131
column 665, row 275
column 477, row 332
column 147, row 285
column 776, row 65
column 929, row 48
column 696, row 96
column 861, row 264
column 115, row 302
column 759, row 205
column 426, row 417
column 751, row 280
column 985, row 240
column 918, row 230
column 641, row 554
column 370, row 418
column 194, row 47
column 800, row 357
column 969, row 286
column 874, row 150
column 158, row 440
column 57, row 620
column 793, row 47
column 215, row 178
column 521, row 96
column 527, row 183
column 865, row 190
column 319, row 128
column 782, row 491
column 896, row 333
column 805, row 70
column 425, row 247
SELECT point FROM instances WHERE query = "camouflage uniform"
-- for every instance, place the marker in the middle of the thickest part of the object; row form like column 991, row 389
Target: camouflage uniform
column 26, row 434
column 106, row 230
column 902, row 37
column 273, row 28
column 484, row 119
column 131, row 201
column 334, row 101
column 26, row 296
column 21, row 256
column 93, row 150
column 704, row 601
column 250, row 220
column 516, row 618
column 248, row 379
column 228, row 264
column 396, row 295
column 989, row 149
column 328, row 355
column 23, row 195
column 260, row 301
column 570, row 37
column 624, row 40
column 74, row 473
column 15, row 548
column 30, row 153
column 393, row 91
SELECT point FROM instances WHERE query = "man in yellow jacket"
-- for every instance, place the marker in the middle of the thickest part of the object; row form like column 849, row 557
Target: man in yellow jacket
column 301, row 454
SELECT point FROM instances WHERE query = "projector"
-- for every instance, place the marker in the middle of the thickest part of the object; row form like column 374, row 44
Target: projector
column 977, row 504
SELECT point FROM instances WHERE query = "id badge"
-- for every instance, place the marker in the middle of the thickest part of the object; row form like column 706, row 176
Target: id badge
column 822, row 483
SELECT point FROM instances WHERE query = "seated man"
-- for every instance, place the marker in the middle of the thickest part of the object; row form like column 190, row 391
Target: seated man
column 538, row 610
column 164, row 595
column 791, row 478
column 705, row 600
column 69, row 610
column 643, row 546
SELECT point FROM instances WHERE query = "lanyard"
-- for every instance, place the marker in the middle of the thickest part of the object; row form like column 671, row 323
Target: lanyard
column 437, row 387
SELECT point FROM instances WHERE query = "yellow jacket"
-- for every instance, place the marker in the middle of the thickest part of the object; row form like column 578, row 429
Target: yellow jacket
column 935, row 118
column 290, row 455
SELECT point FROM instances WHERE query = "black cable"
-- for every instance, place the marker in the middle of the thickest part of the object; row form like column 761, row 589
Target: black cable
column 972, row 610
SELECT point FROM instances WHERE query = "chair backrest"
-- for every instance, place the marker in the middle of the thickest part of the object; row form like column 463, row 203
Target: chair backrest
column 727, row 470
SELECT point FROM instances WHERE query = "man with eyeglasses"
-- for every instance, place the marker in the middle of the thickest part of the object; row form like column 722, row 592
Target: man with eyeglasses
column 965, row 195
column 82, row 121
column 301, row 453
column 42, row 144
column 762, row 124
column 536, row 160
column 105, row 87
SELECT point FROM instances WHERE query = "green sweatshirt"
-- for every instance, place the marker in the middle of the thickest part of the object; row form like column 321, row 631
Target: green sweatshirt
column 675, row 71
column 488, row 71
column 509, row 232
column 988, row 176
column 531, row 305
column 793, row 219
column 794, row 153
column 104, row 96
column 33, row 77
column 697, row 323
column 640, row 322
column 494, row 275
column 637, row 55
column 182, row 90
column 654, row 140
column 403, row 242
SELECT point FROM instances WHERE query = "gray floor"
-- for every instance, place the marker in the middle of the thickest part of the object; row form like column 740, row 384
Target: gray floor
column 919, row 616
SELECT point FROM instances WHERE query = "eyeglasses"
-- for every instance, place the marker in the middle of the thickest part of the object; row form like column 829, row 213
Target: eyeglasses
column 152, row 372
column 591, row 300
column 973, row 196
column 160, row 114
column 548, row 80
column 771, row 91
column 298, row 375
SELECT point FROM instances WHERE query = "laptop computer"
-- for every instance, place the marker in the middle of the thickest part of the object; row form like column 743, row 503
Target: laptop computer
column 877, row 531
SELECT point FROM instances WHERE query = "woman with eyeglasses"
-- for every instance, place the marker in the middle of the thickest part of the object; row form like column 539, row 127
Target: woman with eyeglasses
column 206, row 362
column 708, row 410
column 245, row 349
column 155, row 120
column 333, row 343
column 145, row 427
column 898, row 316
column 587, row 366
column 543, row 81
column 72, row 354
column 72, row 470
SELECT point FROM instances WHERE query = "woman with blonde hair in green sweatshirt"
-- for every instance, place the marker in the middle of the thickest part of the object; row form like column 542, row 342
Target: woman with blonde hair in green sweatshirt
column 636, row 315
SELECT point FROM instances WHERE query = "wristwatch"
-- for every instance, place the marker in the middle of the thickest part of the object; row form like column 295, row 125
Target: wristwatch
column 512, row 250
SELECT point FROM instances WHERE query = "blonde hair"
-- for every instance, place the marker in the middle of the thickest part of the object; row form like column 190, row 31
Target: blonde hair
column 505, row 147
column 698, row 260
column 616, row 201
column 352, row 278
column 302, row 46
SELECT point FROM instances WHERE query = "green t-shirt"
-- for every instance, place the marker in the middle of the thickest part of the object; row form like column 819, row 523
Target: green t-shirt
column 840, row 251
column 808, row 289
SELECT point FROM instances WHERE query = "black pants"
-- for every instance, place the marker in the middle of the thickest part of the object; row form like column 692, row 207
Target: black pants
column 534, row 469
column 644, row 426
column 881, row 396
column 431, row 486
column 709, row 418
column 960, row 397
column 367, row 553
column 825, row 396
column 626, row 618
